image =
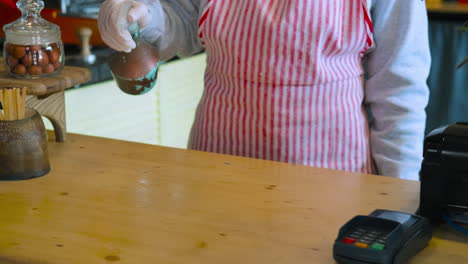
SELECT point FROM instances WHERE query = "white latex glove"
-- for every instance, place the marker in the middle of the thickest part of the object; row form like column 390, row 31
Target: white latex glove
column 115, row 16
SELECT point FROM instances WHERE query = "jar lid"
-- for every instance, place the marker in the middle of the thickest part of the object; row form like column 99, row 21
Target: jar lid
column 31, row 28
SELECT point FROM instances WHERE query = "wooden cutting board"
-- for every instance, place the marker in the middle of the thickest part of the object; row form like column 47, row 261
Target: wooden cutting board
column 70, row 77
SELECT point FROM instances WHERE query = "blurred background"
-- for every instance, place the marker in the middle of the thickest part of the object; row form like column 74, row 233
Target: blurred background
column 164, row 116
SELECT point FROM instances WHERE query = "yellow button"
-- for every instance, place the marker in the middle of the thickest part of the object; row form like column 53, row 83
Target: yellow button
column 361, row 245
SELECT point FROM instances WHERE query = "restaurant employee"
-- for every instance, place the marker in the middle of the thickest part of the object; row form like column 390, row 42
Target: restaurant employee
column 337, row 84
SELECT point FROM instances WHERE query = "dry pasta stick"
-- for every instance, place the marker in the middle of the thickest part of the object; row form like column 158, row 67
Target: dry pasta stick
column 14, row 104
column 2, row 117
column 19, row 106
column 23, row 103
column 11, row 107
column 6, row 105
column 18, row 103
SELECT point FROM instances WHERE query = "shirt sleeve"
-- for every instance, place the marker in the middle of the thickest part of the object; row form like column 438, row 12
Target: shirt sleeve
column 396, row 90
column 174, row 27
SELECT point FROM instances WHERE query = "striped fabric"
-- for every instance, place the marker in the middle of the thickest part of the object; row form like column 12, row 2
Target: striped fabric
column 284, row 82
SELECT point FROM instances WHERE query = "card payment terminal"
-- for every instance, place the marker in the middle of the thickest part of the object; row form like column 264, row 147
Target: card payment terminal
column 383, row 237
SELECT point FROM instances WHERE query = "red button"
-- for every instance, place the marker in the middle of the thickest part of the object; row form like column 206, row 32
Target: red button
column 349, row 240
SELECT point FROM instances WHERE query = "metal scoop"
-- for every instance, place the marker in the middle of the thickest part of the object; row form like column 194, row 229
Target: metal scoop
column 135, row 72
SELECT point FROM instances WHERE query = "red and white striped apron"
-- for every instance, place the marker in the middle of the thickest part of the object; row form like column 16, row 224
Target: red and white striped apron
column 284, row 82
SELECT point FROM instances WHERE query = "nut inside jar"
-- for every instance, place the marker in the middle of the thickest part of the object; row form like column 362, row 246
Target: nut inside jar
column 33, row 60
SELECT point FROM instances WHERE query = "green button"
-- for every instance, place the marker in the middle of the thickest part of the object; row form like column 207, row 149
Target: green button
column 378, row 246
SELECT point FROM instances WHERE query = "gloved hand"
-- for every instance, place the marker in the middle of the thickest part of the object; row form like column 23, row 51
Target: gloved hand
column 115, row 16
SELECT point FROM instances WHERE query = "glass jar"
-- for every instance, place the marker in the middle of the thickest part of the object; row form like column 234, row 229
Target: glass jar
column 135, row 72
column 33, row 47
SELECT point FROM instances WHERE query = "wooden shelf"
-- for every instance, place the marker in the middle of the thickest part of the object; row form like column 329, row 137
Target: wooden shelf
column 69, row 77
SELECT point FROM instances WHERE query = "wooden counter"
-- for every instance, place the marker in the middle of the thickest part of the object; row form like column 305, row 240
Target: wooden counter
column 109, row 201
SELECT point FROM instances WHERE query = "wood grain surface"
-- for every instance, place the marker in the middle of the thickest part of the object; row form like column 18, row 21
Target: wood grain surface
column 52, row 107
column 108, row 201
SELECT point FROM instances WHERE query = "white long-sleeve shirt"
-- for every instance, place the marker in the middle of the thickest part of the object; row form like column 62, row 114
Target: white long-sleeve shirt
column 396, row 71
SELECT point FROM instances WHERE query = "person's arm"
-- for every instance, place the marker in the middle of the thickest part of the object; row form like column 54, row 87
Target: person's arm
column 396, row 90
column 174, row 26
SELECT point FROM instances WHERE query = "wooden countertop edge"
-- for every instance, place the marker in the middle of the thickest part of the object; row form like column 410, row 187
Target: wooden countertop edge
column 73, row 139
